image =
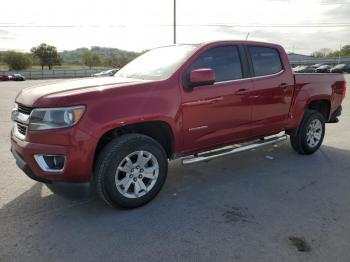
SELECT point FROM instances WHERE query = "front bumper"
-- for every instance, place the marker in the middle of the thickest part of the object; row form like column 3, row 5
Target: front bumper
column 79, row 158
column 26, row 168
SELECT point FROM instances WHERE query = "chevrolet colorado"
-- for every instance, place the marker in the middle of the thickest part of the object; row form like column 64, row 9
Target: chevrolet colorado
column 188, row 101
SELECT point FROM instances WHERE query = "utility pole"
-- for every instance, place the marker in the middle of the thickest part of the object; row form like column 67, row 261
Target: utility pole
column 174, row 21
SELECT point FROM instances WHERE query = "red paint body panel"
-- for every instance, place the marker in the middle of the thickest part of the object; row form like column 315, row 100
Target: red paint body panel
column 313, row 87
column 200, row 118
column 78, row 148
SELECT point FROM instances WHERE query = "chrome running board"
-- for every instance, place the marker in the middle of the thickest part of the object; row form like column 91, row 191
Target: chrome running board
column 230, row 150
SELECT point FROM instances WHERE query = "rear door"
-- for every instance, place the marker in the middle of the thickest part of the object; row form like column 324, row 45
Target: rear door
column 219, row 113
column 273, row 86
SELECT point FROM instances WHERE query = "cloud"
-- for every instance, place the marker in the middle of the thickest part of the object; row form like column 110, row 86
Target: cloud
column 299, row 40
column 150, row 28
column 5, row 35
column 339, row 14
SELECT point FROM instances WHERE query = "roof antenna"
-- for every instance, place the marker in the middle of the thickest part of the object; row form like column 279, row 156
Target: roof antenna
column 246, row 38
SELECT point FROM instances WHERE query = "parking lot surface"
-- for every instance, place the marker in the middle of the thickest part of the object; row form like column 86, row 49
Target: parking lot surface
column 262, row 205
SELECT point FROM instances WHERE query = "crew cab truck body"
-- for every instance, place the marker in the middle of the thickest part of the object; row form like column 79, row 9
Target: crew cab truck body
column 118, row 133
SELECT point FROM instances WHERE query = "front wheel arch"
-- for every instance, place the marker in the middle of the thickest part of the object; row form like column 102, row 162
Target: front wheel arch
column 160, row 131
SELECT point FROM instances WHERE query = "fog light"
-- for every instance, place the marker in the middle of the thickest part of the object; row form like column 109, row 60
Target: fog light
column 51, row 163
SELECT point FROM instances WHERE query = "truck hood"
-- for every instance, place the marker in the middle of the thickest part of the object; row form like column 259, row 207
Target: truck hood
column 33, row 95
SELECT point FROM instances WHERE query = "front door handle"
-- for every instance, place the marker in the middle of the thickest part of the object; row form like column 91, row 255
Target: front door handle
column 241, row 91
column 205, row 101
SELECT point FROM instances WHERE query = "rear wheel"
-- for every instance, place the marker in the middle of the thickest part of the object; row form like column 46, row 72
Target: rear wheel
column 131, row 170
column 309, row 136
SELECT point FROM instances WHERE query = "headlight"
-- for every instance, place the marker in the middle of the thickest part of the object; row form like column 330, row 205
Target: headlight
column 52, row 118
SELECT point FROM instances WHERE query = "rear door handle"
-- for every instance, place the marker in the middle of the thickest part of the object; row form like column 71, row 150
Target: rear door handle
column 283, row 85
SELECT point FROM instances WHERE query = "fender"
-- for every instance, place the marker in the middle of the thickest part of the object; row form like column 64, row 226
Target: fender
column 120, row 123
column 302, row 99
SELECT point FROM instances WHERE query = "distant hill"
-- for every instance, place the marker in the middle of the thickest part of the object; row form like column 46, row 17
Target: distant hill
column 111, row 58
column 73, row 56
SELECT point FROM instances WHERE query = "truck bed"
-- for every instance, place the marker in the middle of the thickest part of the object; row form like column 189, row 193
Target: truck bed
column 301, row 78
column 328, row 87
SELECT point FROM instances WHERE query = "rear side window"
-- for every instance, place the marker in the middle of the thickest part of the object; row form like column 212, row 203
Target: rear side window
column 224, row 60
column 266, row 61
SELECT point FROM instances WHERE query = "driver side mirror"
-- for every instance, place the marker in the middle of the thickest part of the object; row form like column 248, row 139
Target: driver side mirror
column 201, row 77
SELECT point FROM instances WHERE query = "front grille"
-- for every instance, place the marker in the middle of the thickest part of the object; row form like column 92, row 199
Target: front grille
column 22, row 129
column 24, row 109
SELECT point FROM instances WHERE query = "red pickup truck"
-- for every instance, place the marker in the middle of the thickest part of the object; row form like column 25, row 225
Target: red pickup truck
column 183, row 101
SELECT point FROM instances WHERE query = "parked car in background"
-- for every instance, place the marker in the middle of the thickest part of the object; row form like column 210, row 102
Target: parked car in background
column 110, row 72
column 297, row 68
column 341, row 68
column 5, row 78
column 317, row 65
column 304, row 69
column 18, row 77
column 323, row 69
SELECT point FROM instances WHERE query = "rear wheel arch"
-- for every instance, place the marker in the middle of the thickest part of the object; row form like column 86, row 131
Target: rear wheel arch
column 301, row 137
column 322, row 106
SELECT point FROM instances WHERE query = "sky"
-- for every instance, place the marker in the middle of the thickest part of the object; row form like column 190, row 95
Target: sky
column 301, row 26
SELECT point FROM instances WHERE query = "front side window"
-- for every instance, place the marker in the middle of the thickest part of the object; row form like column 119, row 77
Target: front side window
column 266, row 60
column 224, row 60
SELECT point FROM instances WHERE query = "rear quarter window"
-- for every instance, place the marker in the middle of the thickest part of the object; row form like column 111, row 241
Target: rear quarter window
column 266, row 60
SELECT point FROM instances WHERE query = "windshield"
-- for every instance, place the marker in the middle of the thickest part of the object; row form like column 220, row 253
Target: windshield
column 157, row 64
column 340, row 66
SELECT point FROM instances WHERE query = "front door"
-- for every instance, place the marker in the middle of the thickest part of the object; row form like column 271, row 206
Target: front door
column 219, row 113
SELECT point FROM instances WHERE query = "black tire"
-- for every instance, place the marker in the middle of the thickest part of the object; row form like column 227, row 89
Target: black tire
column 112, row 156
column 299, row 139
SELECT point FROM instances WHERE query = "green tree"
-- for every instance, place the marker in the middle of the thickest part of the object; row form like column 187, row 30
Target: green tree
column 47, row 55
column 91, row 59
column 118, row 61
column 324, row 52
column 345, row 51
column 17, row 61
column 317, row 54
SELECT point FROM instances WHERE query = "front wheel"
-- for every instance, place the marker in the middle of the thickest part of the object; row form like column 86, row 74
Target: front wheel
column 131, row 170
column 309, row 136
